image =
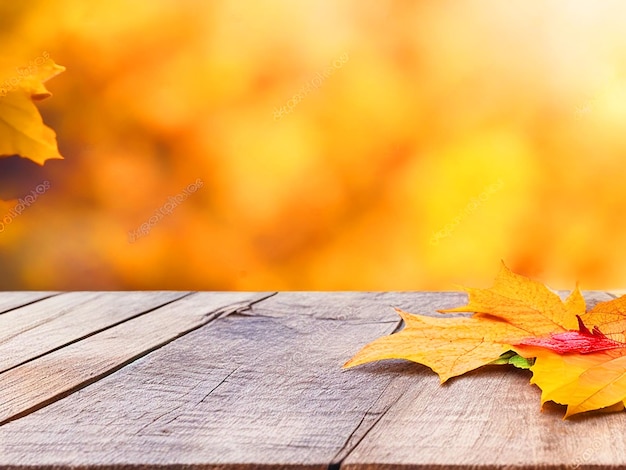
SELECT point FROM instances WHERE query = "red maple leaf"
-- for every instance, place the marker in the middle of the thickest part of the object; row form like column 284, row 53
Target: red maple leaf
column 580, row 341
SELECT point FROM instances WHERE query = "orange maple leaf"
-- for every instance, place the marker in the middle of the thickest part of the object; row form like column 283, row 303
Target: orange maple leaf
column 22, row 131
column 574, row 365
column 582, row 380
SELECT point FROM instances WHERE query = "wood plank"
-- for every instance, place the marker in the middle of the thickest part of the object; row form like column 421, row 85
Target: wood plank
column 33, row 330
column 264, row 388
column 617, row 292
column 12, row 300
column 488, row 419
column 48, row 378
column 261, row 388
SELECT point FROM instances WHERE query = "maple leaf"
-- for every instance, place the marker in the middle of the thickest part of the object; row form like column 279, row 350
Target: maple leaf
column 610, row 317
column 453, row 346
column 577, row 358
column 585, row 370
column 583, row 382
column 22, row 131
column 582, row 341
column 524, row 303
column 450, row 346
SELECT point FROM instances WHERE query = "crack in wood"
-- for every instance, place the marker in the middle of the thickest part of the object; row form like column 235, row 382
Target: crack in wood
column 230, row 310
column 351, row 442
column 175, row 408
column 218, row 385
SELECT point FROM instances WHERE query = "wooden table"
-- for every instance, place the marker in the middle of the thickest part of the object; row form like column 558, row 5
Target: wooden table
column 250, row 380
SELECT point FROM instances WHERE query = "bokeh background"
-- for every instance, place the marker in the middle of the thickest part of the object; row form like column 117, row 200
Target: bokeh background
column 353, row 144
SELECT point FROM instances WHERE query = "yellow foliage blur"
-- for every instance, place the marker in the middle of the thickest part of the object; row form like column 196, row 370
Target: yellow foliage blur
column 314, row 144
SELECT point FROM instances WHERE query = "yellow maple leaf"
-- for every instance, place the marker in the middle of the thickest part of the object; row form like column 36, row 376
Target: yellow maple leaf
column 583, row 382
column 453, row 346
column 22, row 131
column 610, row 317
column 450, row 347
column 525, row 303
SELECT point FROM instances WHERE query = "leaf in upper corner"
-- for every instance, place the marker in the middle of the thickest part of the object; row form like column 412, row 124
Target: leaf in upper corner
column 22, row 131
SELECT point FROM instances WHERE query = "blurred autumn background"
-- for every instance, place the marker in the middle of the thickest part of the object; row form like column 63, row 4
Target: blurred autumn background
column 355, row 144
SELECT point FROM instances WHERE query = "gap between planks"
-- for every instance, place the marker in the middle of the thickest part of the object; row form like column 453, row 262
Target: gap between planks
column 63, row 370
column 47, row 325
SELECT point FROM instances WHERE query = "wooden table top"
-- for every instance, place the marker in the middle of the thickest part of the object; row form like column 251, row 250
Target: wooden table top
column 246, row 380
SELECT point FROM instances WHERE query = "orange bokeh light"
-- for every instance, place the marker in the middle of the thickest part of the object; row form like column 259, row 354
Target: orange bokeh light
column 345, row 145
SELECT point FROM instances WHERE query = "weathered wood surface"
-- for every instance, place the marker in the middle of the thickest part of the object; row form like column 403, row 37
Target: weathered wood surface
column 240, row 380
column 11, row 300
column 44, row 326
column 38, row 382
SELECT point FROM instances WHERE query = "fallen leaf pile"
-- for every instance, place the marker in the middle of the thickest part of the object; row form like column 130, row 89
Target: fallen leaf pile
column 22, row 131
column 577, row 357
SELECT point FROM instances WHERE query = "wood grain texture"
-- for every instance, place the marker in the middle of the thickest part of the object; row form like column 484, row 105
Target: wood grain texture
column 488, row 420
column 260, row 388
column 11, row 300
column 33, row 330
column 43, row 380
